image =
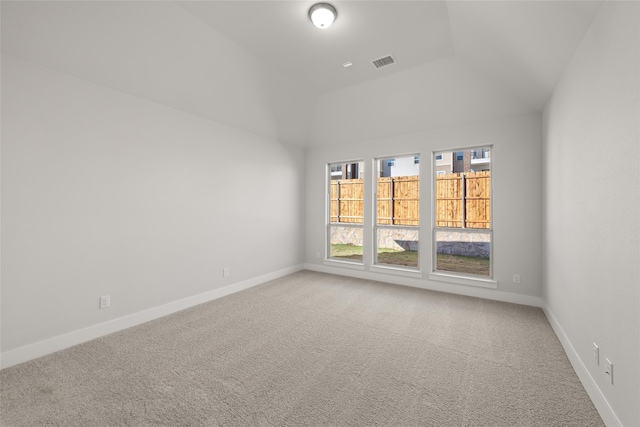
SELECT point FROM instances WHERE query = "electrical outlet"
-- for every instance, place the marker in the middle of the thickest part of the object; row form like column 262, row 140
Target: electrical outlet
column 225, row 272
column 608, row 369
column 596, row 353
column 105, row 301
column 516, row 278
column 317, row 254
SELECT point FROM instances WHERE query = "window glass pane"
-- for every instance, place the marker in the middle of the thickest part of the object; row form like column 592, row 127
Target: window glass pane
column 346, row 242
column 346, row 194
column 463, row 252
column 398, row 246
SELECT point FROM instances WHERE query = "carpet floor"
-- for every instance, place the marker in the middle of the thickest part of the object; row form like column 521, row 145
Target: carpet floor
column 311, row 349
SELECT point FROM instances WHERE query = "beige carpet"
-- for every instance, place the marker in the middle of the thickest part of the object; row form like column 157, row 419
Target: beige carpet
column 311, row 349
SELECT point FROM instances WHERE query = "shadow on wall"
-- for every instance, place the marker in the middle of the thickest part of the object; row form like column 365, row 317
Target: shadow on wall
column 474, row 249
column 407, row 245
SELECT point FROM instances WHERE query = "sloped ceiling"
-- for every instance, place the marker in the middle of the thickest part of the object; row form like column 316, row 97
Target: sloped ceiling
column 262, row 66
column 524, row 45
column 158, row 51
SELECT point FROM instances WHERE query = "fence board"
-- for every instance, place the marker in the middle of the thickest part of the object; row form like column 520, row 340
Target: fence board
column 385, row 201
column 406, row 200
column 478, row 199
column 449, row 200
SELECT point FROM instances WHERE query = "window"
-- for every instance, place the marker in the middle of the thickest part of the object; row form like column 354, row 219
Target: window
column 439, row 156
column 397, row 219
column 462, row 229
column 336, row 171
column 391, row 162
column 345, row 216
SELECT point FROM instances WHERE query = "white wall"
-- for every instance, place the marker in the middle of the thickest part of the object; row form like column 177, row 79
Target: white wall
column 592, row 210
column 517, row 197
column 105, row 193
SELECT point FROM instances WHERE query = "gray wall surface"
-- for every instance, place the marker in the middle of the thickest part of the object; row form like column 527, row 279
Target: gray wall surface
column 591, row 215
column 104, row 193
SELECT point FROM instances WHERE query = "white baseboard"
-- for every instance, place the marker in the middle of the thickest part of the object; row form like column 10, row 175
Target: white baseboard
column 51, row 345
column 60, row 342
column 597, row 397
column 471, row 291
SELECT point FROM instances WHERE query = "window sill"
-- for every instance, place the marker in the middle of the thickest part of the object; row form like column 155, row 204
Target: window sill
column 397, row 271
column 464, row 280
column 344, row 264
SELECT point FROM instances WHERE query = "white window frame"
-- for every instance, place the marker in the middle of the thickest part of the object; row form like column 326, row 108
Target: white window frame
column 455, row 277
column 391, row 268
column 328, row 260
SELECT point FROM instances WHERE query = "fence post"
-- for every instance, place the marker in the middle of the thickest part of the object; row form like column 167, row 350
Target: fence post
column 393, row 201
column 464, row 202
column 338, row 201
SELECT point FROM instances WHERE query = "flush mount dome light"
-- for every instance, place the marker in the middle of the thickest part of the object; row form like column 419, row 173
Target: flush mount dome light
column 322, row 15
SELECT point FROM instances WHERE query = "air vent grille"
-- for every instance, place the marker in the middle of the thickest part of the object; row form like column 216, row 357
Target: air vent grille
column 384, row 62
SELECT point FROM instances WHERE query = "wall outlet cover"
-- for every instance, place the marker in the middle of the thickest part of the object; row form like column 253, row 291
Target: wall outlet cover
column 105, row 301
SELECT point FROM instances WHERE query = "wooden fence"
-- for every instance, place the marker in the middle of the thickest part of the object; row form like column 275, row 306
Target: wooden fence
column 347, row 200
column 460, row 199
column 463, row 198
column 399, row 200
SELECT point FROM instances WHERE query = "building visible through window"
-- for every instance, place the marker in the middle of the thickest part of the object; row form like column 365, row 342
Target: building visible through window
column 345, row 170
column 475, row 160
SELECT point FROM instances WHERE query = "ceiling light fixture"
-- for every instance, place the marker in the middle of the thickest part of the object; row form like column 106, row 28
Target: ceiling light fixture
column 322, row 15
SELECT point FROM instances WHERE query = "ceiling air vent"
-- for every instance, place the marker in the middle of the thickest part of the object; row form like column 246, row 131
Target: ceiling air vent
column 383, row 62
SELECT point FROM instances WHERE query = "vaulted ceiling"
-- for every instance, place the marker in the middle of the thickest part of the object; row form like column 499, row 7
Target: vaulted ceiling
column 525, row 44
column 414, row 32
column 262, row 65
